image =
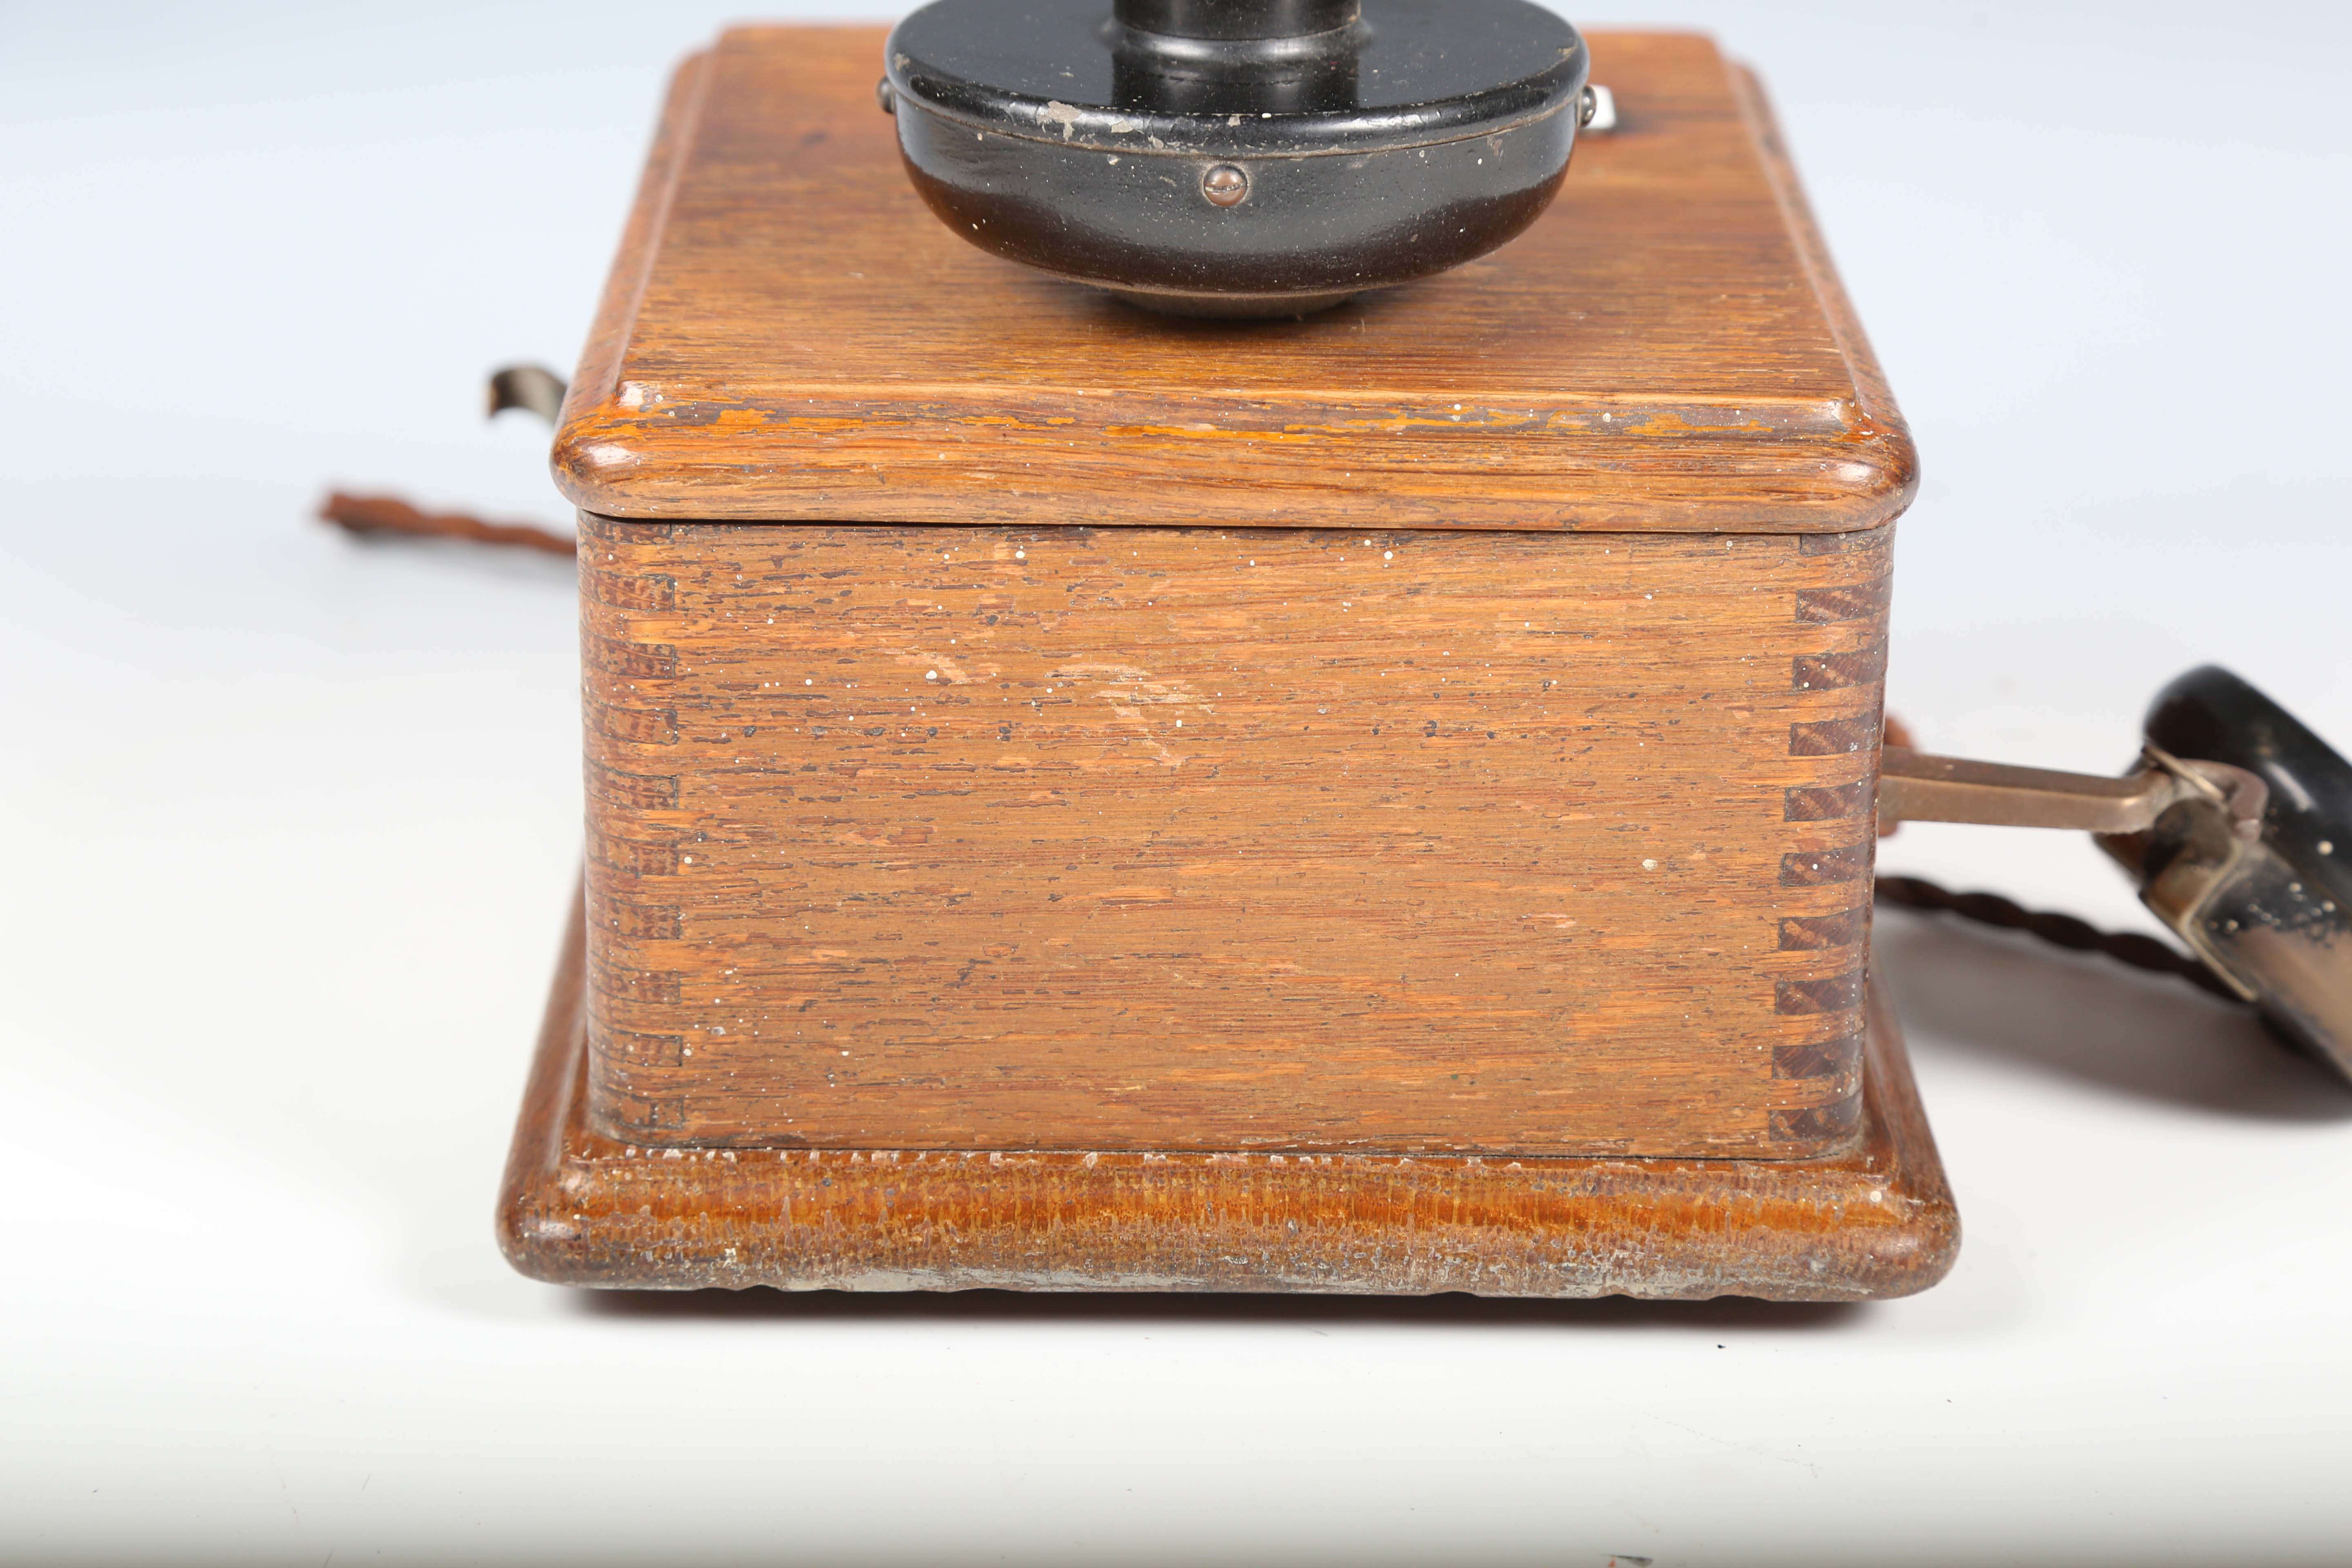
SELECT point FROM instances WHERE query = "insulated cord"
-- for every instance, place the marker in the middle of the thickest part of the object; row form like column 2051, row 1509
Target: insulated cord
column 2061, row 930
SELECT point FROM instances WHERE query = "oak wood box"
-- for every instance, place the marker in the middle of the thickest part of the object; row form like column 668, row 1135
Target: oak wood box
column 1432, row 740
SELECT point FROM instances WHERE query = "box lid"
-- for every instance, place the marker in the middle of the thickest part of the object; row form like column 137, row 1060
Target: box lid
column 790, row 334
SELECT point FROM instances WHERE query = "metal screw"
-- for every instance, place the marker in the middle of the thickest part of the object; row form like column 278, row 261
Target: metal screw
column 1226, row 184
column 1598, row 111
column 886, row 96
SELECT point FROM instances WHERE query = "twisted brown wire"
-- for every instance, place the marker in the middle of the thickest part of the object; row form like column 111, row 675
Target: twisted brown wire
column 390, row 514
column 2061, row 930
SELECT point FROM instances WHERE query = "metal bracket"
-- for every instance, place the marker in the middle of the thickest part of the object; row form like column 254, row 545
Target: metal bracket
column 1916, row 786
column 529, row 386
column 2190, row 833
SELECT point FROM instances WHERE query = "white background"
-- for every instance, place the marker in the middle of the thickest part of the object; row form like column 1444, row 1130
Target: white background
column 291, row 822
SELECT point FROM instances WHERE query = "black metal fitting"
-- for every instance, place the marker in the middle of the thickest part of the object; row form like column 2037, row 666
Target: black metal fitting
column 1237, row 157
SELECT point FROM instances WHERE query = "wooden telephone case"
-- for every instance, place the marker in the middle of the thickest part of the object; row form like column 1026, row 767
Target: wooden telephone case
column 1381, row 802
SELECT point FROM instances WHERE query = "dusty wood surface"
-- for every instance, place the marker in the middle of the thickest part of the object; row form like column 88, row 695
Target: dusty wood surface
column 579, row 1208
column 1157, row 839
column 788, row 334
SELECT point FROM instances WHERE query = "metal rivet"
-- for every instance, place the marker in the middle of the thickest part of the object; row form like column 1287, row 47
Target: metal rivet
column 1226, row 184
column 886, row 96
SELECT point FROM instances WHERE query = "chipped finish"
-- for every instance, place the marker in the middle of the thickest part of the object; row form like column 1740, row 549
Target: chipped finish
column 1876, row 1220
column 760, row 354
column 1147, row 838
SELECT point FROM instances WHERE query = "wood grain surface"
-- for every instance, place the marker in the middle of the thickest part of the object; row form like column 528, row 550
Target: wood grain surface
column 581, row 1209
column 1169, row 840
column 788, row 334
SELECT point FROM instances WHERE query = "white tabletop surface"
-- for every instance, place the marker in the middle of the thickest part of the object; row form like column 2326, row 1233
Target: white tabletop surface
column 291, row 822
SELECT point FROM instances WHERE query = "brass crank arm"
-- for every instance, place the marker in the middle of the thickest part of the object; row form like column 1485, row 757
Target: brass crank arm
column 1916, row 786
